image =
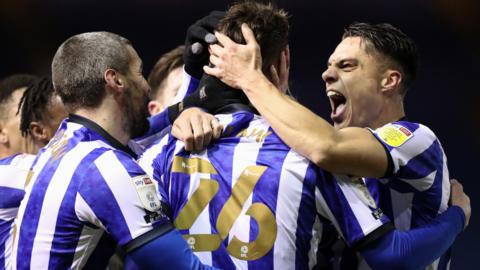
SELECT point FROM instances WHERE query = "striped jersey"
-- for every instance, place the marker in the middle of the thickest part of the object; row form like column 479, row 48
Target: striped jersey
column 14, row 172
column 188, row 86
column 249, row 202
column 88, row 195
column 417, row 188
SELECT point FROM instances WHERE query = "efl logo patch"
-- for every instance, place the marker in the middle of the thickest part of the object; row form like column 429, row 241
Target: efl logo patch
column 394, row 135
column 147, row 192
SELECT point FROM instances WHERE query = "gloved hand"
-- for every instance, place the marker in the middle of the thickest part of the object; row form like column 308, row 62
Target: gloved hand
column 211, row 95
column 199, row 35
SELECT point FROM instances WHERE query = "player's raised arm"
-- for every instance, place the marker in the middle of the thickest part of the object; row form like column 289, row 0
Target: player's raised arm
column 353, row 151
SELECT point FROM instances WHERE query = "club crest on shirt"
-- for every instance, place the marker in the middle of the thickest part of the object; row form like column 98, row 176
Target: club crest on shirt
column 147, row 192
column 394, row 135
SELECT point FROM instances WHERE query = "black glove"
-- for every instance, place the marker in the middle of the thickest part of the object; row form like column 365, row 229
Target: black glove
column 199, row 35
column 211, row 95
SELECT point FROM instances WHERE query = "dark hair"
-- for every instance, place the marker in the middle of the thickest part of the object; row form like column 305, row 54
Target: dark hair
column 391, row 42
column 167, row 62
column 10, row 84
column 269, row 24
column 34, row 103
column 79, row 64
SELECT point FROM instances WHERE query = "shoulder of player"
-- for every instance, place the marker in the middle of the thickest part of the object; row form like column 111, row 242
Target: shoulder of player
column 20, row 161
column 419, row 130
column 104, row 163
column 411, row 130
column 157, row 147
column 109, row 157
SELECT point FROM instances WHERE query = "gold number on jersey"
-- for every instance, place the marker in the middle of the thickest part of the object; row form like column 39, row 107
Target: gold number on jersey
column 206, row 191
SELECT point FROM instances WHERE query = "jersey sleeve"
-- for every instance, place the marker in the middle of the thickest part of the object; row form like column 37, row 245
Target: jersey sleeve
column 188, row 86
column 414, row 151
column 14, row 175
column 116, row 195
column 347, row 203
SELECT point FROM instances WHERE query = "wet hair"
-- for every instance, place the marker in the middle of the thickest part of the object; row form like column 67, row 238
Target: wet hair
column 80, row 62
column 166, row 64
column 269, row 24
column 390, row 42
column 34, row 103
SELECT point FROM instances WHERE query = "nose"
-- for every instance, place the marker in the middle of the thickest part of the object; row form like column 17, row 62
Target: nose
column 329, row 75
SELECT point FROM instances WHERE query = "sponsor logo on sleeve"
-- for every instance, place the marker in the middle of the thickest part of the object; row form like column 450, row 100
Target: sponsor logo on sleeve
column 147, row 192
column 394, row 135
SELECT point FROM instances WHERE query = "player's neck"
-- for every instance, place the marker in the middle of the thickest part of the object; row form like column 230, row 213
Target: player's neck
column 392, row 111
column 109, row 117
column 3, row 153
column 33, row 145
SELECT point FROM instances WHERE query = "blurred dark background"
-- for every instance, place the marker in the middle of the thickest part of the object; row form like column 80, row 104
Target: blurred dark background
column 445, row 97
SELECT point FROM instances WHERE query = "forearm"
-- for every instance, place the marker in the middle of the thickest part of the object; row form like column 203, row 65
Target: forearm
column 352, row 151
column 419, row 247
column 170, row 251
column 297, row 126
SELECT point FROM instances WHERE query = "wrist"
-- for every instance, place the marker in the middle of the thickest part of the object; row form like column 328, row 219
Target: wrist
column 254, row 82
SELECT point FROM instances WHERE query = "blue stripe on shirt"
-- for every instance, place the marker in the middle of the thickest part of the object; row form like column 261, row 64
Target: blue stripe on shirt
column 4, row 234
column 223, row 163
column 306, row 218
column 272, row 154
column 340, row 207
column 34, row 209
column 96, row 193
column 11, row 197
column 423, row 164
column 68, row 226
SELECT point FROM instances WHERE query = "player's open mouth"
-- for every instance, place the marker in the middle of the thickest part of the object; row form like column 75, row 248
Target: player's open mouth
column 338, row 103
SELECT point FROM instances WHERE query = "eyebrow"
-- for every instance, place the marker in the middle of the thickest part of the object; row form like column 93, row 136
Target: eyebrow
column 343, row 60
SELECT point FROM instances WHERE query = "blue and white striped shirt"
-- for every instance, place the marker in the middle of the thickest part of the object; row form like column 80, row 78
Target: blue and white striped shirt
column 250, row 202
column 88, row 195
column 418, row 186
column 14, row 175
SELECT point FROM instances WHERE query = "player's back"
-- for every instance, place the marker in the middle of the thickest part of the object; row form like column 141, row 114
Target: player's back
column 248, row 201
column 77, row 196
column 14, row 175
column 247, row 179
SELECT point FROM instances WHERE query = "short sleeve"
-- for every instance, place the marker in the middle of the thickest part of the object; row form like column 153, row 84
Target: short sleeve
column 117, row 195
column 347, row 203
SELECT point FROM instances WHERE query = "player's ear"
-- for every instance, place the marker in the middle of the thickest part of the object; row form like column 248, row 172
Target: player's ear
column 154, row 107
column 391, row 81
column 38, row 132
column 287, row 56
column 114, row 81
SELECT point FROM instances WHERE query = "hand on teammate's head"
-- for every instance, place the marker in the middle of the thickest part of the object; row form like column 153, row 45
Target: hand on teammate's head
column 235, row 64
